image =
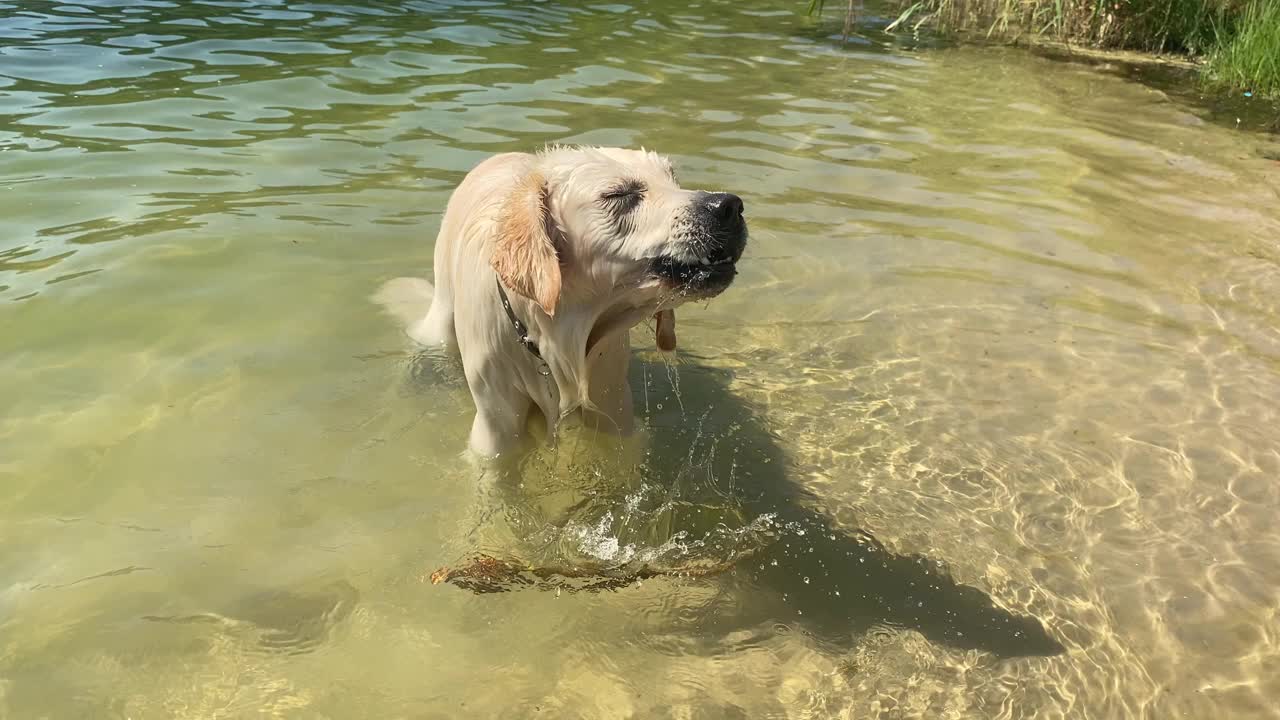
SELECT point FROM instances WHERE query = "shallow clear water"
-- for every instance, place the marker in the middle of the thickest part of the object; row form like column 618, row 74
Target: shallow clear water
column 1015, row 319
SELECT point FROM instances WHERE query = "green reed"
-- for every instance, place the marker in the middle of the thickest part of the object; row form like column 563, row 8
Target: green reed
column 1240, row 38
column 1249, row 56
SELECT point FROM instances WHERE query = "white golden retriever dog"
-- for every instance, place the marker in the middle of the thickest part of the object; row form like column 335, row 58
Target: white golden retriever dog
column 543, row 264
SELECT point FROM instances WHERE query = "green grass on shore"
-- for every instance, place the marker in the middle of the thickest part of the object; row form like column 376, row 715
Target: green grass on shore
column 1240, row 39
column 1249, row 56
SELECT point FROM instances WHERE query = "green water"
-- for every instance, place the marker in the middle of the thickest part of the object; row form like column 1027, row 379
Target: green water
column 1015, row 318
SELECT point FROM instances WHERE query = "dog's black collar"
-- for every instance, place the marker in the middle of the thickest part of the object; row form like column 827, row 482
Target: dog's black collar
column 522, row 330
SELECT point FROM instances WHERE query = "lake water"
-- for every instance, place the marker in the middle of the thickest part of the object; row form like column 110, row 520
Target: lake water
column 1014, row 319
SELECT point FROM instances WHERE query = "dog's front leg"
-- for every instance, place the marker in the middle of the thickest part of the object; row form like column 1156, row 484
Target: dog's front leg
column 499, row 427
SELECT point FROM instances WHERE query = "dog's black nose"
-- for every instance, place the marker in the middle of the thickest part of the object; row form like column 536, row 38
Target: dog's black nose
column 726, row 207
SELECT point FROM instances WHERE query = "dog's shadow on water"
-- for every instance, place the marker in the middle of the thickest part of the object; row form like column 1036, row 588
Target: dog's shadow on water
column 715, row 484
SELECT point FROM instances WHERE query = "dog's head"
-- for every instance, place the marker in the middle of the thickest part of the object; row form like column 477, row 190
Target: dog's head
column 611, row 229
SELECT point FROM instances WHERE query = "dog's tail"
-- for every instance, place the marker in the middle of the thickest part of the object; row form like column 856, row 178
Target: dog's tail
column 407, row 300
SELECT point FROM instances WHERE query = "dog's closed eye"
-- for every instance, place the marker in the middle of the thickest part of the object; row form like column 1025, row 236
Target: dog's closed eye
column 620, row 201
column 624, row 197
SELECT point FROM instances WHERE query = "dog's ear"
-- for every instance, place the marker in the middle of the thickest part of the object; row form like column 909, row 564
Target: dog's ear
column 524, row 254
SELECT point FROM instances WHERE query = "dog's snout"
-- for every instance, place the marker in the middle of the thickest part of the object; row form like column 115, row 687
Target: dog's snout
column 726, row 207
column 720, row 233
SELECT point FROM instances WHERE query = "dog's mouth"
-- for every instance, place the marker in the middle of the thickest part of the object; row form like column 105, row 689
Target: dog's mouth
column 695, row 277
column 698, row 275
column 702, row 278
column 703, row 262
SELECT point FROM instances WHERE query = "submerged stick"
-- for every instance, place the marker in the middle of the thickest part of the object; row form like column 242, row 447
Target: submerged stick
column 860, row 581
column 488, row 574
